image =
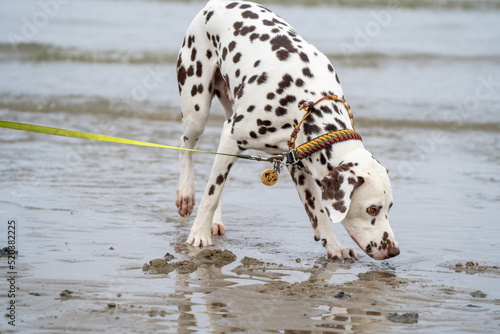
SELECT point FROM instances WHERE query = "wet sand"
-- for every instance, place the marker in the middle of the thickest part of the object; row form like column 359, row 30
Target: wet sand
column 255, row 296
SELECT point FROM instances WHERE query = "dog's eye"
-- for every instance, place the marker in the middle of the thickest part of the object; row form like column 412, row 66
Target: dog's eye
column 372, row 211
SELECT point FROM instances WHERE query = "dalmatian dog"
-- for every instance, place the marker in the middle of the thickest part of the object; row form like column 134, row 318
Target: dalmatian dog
column 261, row 69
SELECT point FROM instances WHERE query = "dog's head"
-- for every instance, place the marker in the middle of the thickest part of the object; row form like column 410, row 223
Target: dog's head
column 358, row 195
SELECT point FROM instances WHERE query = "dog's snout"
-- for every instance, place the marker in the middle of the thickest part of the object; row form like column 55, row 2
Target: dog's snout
column 393, row 251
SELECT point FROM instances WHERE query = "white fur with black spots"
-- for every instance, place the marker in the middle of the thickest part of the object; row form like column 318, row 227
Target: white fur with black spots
column 260, row 68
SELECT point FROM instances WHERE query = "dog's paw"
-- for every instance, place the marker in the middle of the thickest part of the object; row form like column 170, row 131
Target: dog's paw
column 337, row 252
column 218, row 229
column 185, row 204
column 199, row 239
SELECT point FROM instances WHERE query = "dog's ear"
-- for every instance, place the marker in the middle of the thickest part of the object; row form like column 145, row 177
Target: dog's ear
column 337, row 188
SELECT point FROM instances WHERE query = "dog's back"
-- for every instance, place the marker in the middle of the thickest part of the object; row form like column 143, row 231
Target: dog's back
column 261, row 68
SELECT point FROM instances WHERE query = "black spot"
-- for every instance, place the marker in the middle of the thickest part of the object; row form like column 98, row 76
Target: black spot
column 237, row 57
column 196, row 107
column 280, row 111
column 284, row 83
column 268, row 108
column 194, row 90
column 190, row 41
column 288, row 99
column 264, row 37
column 299, row 83
column 220, row 179
column 181, row 75
column 238, row 118
column 330, row 128
column 249, row 15
column 270, row 96
column 268, row 23
column 193, row 54
column 341, row 124
column 253, row 135
column 209, row 54
column 282, row 41
column 209, row 15
column 325, row 109
column 231, row 46
column 240, row 29
column 265, row 123
column 252, row 79
column 282, row 55
column 251, row 108
column 211, row 190
column 286, row 126
column 304, row 58
column 232, row 5
column 311, row 129
column 256, row 63
column 224, row 53
column 373, row 221
column 254, row 36
column 199, row 69
column 322, row 159
column 307, row 72
column 330, row 68
column 262, row 78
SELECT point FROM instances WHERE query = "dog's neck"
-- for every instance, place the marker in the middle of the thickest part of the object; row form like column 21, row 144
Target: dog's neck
column 339, row 153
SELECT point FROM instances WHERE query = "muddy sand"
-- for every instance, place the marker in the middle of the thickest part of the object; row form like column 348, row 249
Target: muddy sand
column 215, row 291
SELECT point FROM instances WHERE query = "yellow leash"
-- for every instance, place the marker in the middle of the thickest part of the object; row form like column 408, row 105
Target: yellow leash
column 93, row 136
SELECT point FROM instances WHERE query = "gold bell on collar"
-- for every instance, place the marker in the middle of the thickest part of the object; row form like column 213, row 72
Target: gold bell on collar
column 269, row 177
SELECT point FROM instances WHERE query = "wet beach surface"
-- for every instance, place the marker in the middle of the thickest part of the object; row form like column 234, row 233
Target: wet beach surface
column 101, row 247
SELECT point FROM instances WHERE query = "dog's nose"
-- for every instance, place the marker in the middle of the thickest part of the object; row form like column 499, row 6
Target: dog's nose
column 393, row 251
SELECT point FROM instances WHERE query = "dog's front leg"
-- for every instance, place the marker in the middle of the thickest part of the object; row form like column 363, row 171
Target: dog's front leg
column 200, row 234
column 311, row 197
